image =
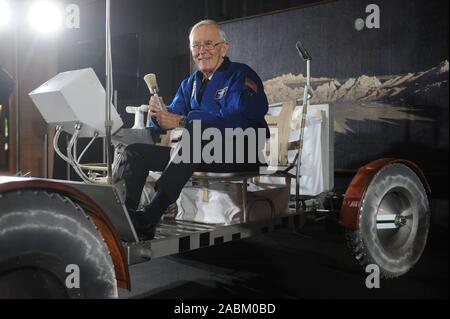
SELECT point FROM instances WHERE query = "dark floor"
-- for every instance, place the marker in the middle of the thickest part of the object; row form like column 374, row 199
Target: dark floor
column 311, row 263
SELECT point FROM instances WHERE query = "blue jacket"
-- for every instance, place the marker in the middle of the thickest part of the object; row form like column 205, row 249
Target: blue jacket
column 233, row 98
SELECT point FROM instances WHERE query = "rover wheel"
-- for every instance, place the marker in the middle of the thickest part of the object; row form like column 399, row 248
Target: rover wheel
column 393, row 222
column 49, row 248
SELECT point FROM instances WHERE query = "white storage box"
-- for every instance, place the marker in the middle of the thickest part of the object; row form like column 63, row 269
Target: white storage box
column 75, row 97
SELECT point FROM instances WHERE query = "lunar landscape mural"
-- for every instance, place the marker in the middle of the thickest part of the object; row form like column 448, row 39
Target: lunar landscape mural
column 381, row 98
column 387, row 86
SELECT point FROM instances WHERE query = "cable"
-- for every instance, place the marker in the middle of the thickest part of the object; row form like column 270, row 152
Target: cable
column 70, row 159
column 87, row 147
column 73, row 162
column 55, row 144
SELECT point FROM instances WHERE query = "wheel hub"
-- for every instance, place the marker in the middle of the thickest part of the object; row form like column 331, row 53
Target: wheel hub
column 400, row 221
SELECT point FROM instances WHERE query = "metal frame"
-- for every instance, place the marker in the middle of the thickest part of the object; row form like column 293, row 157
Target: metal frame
column 173, row 237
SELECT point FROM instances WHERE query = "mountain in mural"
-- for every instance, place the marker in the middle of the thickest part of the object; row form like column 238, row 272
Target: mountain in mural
column 368, row 97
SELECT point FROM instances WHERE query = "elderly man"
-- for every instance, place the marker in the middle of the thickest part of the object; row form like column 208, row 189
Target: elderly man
column 221, row 94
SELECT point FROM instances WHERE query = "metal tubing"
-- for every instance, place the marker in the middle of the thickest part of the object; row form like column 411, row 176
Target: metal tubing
column 244, row 200
column 108, row 123
column 46, row 156
column 17, row 94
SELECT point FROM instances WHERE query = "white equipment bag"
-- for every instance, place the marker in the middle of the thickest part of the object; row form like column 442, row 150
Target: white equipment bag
column 223, row 204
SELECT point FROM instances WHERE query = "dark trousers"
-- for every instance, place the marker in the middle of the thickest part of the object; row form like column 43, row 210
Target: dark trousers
column 139, row 159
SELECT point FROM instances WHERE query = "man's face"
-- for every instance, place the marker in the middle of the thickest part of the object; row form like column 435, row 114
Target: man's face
column 208, row 61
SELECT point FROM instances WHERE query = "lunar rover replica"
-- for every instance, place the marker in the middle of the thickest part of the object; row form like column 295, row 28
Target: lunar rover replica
column 50, row 228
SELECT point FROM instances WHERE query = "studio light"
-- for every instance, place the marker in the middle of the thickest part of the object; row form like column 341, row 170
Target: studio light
column 5, row 13
column 45, row 16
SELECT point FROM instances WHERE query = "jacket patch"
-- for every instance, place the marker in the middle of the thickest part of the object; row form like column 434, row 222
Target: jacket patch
column 251, row 85
column 221, row 93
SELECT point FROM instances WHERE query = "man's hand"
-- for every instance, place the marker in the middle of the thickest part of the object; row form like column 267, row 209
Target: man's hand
column 165, row 119
column 155, row 105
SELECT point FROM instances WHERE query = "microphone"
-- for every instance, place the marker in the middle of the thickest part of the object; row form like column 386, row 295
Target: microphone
column 152, row 85
column 302, row 51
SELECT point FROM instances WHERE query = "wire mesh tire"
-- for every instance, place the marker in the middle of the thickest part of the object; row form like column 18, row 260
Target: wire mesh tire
column 49, row 248
column 393, row 222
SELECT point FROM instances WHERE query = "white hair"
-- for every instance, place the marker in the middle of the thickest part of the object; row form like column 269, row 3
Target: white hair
column 222, row 35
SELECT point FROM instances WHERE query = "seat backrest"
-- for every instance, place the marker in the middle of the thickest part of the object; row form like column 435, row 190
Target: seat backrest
column 281, row 122
column 286, row 118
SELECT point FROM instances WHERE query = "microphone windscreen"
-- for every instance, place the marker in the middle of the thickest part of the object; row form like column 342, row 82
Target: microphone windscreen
column 302, row 51
column 150, row 79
